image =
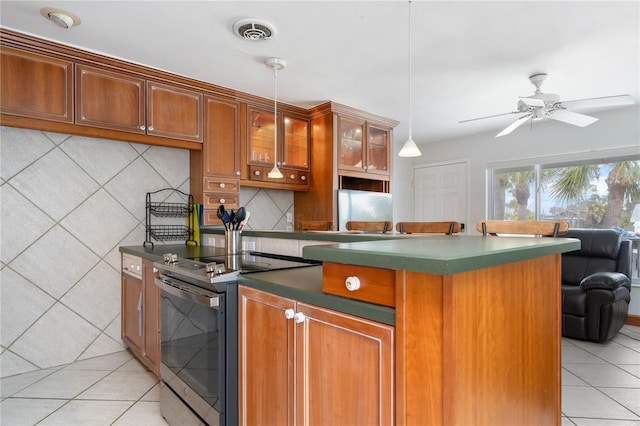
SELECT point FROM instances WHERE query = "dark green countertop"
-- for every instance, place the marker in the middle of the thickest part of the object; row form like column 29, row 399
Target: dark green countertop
column 440, row 254
column 301, row 284
column 305, row 285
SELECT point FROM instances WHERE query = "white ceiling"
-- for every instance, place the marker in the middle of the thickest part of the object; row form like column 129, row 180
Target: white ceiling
column 470, row 59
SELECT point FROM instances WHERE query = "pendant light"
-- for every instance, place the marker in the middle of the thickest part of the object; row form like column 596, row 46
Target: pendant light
column 409, row 149
column 276, row 64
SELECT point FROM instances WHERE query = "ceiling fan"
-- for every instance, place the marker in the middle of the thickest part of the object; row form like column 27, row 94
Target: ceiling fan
column 548, row 105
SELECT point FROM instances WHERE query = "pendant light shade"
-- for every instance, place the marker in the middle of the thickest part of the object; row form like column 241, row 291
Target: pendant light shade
column 276, row 64
column 409, row 149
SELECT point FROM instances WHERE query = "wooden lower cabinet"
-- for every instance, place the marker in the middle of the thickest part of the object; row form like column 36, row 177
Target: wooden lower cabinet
column 301, row 364
column 141, row 316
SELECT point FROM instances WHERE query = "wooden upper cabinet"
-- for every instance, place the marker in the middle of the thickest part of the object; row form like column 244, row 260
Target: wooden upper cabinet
column 36, row 86
column 221, row 148
column 109, row 100
column 363, row 147
column 119, row 101
column 174, row 112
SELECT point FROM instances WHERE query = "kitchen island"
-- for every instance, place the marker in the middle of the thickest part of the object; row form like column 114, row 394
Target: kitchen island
column 477, row 324
column 477, row 332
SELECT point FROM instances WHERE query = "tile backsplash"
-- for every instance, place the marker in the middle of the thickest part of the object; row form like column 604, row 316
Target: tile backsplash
column 67, row 204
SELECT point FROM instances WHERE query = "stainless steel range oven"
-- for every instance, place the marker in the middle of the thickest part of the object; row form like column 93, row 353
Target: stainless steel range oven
column 199, row 334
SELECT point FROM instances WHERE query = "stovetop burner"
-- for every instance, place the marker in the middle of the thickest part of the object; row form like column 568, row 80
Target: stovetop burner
column 208, row 271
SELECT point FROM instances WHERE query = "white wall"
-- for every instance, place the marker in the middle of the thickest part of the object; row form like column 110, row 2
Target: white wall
column 617, row 131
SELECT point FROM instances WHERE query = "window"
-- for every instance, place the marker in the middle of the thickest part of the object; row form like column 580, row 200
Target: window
column 587, row 194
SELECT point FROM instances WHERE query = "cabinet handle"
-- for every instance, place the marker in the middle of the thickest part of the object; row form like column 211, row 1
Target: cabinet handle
column 142, row 128
column 298, row 317
column 257, row 173
column 222, row 185
column 284, row 163
column 352, row 283
column 292, row 177
column 222, row 200
column 303, row 177
column 289, row 313
column 237, row 172
column 151, row 128
column 140, row 315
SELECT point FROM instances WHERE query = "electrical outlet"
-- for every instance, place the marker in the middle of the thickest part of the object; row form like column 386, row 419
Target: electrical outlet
column 249, row 245
column 289, row 217
column 210, row 241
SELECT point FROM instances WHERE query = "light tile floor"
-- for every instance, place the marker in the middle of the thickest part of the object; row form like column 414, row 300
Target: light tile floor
column 600, row 386
column 113, row 389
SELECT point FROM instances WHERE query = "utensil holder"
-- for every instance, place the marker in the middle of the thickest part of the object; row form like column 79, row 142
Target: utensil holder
column 233, row 242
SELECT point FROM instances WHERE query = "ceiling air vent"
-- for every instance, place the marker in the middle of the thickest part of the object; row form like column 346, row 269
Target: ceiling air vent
column 254, row 29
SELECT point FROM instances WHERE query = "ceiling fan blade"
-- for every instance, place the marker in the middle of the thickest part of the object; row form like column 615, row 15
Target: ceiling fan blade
column 605, row 101
column 511, row 127
column 571, row 117
column 532, row 102
column 490, row 116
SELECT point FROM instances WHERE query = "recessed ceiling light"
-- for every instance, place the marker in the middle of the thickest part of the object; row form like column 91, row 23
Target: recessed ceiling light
column 60, row 17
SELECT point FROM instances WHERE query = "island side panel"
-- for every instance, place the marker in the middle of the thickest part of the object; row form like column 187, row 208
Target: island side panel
column 496, row 355
column 419, row 348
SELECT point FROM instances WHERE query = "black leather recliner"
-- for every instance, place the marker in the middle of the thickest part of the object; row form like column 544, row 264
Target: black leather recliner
column 596, row 285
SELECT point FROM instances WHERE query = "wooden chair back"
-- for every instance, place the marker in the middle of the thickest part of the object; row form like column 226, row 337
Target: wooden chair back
column 428, row 227
column 314, row 225
column 383, row 226
column 542, row 228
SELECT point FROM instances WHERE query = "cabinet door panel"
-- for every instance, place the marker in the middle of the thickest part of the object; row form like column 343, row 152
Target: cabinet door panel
column 221, row 148
column 377, row 150
column 109, row 100
column 266, row 359
column 174, row 112
column 295, row 152
column 351, row 144
column 131, row 310
column 344, row 369
column 36, row 86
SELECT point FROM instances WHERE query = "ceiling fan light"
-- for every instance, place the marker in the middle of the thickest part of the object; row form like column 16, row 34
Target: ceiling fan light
column 409, row 149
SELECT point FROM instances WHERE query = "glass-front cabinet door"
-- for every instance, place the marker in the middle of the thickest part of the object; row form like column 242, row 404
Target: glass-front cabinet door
column 377, row 150
column 260, row 143
column 295, row 147
column 351, row 139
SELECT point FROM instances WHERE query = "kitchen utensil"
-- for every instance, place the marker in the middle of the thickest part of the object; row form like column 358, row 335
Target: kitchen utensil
column 226, row 219
column 232, row 219
column 245, row 220
column 241, row 214
column 220, row 212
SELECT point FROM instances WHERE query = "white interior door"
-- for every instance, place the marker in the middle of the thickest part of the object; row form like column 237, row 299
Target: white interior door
column 440, row 192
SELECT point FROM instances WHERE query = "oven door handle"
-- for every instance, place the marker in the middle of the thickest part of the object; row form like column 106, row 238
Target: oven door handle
column 201, row 297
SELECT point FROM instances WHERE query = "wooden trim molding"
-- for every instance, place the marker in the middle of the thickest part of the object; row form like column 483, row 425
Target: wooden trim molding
column 633, row 320
column 73, row 129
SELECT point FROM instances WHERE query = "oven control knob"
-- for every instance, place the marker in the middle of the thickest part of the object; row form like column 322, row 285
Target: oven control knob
column 298, row 317
column 352, row 283
column 289, row 313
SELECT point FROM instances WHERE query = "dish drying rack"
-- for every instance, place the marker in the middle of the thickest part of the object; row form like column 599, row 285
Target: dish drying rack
column 165, row 209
